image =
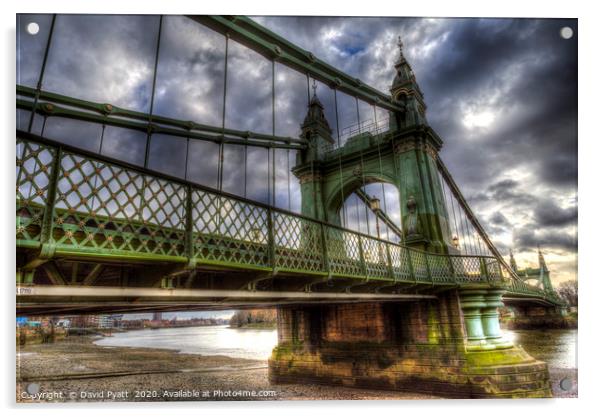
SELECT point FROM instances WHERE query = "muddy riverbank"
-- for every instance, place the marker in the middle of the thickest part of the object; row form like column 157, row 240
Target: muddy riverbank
column 84, row 368
column 78, row 370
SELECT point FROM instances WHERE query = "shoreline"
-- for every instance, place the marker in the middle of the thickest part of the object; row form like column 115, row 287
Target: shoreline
column 78, row 370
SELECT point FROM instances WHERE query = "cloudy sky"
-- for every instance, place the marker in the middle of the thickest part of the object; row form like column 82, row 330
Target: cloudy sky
column 502, row 94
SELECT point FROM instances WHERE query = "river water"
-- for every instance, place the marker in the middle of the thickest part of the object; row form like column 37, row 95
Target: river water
column 556, row 347
column 206, row 340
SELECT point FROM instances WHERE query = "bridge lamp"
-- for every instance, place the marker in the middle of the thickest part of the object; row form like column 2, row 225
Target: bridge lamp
column 374, row 204
column 455, row 241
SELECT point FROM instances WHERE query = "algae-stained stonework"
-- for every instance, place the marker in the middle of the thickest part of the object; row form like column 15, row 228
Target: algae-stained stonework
column 416, row 346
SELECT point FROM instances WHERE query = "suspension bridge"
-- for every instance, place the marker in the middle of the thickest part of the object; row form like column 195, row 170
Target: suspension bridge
column 114, row 231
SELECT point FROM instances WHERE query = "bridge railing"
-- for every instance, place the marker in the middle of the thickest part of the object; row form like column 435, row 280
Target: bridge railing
column 74, row 203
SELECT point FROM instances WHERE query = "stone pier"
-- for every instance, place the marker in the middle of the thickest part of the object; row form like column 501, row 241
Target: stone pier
column 450, row 346
column 532, row 317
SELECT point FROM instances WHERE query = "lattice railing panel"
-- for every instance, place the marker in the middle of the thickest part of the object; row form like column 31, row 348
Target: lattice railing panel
column 440, row 268
column 33, row 171
column 100, row 207
column 494, row 270
column 419, row 265
column 375, row 258
column 229, row 231
column 298, row 243
column 400, row 263
column 164, row 203
column 344, row 253
column 467, row 268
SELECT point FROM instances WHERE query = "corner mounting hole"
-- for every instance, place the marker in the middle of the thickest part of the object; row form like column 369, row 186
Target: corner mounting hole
column 566, row 32
column 566, row 384
column 33, row 28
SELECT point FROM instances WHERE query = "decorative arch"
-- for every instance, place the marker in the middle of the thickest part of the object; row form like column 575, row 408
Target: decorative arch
column 350, row 183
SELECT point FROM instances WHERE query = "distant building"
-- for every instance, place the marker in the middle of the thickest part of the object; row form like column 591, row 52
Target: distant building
column 84, row 321
column 63, row 322
column 157, row 316
column 109, row 321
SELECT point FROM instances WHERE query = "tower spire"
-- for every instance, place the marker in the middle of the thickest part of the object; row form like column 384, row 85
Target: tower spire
column 513, row 262
column 315, row 125
column 542, row 261
column 407, row 94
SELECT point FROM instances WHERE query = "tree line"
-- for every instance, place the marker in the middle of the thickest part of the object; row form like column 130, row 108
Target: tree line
column 254, row 317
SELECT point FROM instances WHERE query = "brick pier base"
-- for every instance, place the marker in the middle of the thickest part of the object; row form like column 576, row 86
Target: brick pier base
column 425, row 346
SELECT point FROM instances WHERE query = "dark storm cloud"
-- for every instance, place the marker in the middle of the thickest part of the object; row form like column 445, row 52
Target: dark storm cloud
column 526, row 240
column 498, row 219
column 506, row 191
column 525, row 72
column 547, row 213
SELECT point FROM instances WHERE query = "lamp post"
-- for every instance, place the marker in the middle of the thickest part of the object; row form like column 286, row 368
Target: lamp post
column 455, row 241
column 375, row 207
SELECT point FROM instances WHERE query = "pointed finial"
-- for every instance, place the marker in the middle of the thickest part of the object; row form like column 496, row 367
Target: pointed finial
column 314, row 86
column 400, row 44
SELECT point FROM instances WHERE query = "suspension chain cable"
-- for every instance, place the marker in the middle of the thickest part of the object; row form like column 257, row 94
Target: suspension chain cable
column 152, row 101
column 220, row 165
column 380, row 163
column 357, row 210
column 273, row 132
column 452, row 198
column 102, row 135
column 186, row 163
column 469, row 234
column 288, row 177
column 445, row 200
column 357, row 106
column 396, row 169
column 336, row 112
column 453, row 210
column 41, row 77
column 245, row 157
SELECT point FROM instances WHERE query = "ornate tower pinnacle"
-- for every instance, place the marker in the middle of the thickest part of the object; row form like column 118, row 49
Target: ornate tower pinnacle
column 407, row 94
column 315, row 122
column 542, row 261
column 513, row 262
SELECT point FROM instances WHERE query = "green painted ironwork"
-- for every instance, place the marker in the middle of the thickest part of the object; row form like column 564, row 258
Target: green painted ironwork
column 56, row 105
column 108, row 209
column 270, row 45
column 74, row 204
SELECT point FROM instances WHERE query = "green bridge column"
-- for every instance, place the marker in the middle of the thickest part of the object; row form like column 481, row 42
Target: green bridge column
column 491, row 319
column 472, row 301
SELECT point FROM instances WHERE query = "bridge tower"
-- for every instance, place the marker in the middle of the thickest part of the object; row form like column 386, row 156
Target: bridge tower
column 405, row 156
column 544, row 272
column 449, row 344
